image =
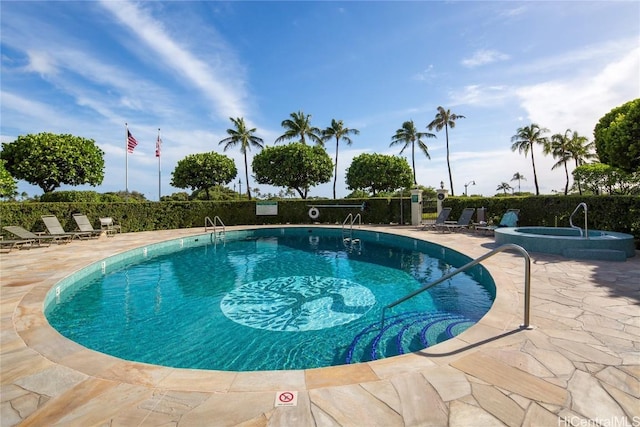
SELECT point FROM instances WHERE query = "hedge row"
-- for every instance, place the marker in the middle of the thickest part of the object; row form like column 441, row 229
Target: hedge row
column 613, row 213
column 149, row 216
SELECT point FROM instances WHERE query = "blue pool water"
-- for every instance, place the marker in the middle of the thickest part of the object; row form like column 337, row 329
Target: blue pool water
column 269, row 299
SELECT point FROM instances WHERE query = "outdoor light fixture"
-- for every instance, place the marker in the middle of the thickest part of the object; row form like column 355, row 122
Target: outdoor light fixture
column 467, row 184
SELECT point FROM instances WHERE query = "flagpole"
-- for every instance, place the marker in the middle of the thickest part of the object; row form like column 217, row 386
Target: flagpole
column 158, row 149
column 126, row 158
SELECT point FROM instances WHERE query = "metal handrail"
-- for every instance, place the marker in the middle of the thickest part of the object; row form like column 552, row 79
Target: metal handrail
column 213, row 223
column 361, row 206
column 527, row 280
column 582, row 205
column 353, row 220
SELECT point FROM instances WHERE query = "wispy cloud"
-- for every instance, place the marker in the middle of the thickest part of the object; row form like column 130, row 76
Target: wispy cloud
column 483, row 57
column 481, row 95
column 425, row 75
column 225, row 91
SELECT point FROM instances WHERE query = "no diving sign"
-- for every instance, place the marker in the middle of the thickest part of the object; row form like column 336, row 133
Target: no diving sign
column 286, row 398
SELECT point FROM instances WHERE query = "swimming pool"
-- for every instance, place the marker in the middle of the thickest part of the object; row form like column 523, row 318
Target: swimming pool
column 275, row 298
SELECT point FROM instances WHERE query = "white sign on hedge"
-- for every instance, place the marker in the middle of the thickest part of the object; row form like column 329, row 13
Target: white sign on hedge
column 266, row 208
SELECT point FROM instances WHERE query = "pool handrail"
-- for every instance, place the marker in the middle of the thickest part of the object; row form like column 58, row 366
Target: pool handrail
column 586, row 231
column 507, row 246
column 213, row 223
column 350, row 219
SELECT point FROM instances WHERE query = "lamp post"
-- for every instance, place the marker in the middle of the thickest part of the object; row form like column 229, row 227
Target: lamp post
column 240, row 187
column 467, row 184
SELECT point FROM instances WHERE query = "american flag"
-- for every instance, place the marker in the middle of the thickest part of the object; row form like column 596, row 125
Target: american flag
column 131, row 142
column 158, row 146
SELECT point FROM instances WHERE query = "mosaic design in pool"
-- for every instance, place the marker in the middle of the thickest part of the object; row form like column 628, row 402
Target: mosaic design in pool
column 297, row 303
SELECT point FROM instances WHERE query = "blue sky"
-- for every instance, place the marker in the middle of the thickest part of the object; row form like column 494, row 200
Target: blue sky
column 86, row 68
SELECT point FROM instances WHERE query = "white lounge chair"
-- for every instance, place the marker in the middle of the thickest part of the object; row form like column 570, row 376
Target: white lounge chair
column 107, row 224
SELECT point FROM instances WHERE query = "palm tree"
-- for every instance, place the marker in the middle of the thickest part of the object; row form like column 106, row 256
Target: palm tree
column 504, row 186
column 518, row 176
column 299, row 126
column 246, row 138
column 558, row 147
column 408, row 134
column 339, row 132
column 524, row 140
column 581, row 150
column 445, row 119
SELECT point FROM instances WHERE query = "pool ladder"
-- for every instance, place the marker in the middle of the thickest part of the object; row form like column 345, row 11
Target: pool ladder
column 216, row 235
column 347, row 234
column 584, row 234
column 508, row 246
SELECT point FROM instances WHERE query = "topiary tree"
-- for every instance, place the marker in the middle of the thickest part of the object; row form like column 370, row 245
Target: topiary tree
column 617, row 137
column 49, row 160
column 203, row 171
column 297, row 166
column 377, row 173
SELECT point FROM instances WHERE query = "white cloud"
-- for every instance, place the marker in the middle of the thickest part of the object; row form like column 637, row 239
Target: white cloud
column 481, row 95
column 579, row 103
column 41, row 63
column 483, row 57
column 223, row 90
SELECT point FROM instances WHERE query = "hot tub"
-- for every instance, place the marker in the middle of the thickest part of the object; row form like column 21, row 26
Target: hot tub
column 568, row 242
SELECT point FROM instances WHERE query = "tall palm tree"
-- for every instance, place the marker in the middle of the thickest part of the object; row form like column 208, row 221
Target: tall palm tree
column 409, row 135
column 517, row 177
column 558, row 147
column 339, row 132
column 299, row 126
column 504, row 186
column 445, row 119
column 244, row 136
column 524, row 140
column 581, row 151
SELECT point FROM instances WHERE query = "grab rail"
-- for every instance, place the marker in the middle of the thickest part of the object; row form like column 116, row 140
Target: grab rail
column 527, row 280
column 213, row 223
column 353, row 220
column 586, row 231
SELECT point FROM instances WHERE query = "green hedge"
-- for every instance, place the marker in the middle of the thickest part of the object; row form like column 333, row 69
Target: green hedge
column 171, row 215
column 612, row 213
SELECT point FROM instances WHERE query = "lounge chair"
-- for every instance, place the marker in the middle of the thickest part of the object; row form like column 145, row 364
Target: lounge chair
column 37, row 238
column 85, row 225
column 509, row 219
column 463, row 222
column 107, row 224
column 8, row 245
column 55, row 229
column 442, row 217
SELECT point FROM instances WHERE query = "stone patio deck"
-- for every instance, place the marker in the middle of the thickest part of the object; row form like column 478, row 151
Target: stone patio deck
column 578, row 366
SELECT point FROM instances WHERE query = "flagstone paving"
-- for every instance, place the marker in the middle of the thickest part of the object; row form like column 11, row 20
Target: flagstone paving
column 578, row 366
